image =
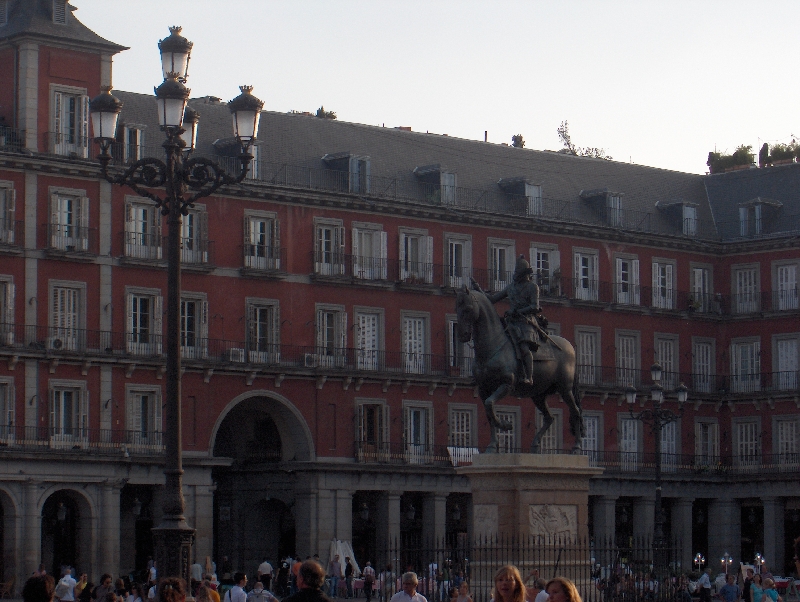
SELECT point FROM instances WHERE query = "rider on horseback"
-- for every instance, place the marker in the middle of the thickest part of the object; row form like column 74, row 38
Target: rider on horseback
column 523, row 319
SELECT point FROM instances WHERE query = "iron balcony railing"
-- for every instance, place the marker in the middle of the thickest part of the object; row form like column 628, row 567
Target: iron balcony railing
column 412, row 454
column 143, row 245
column 11, row 233
column 264, row 258
column 644, row 462
column 77, row 439
column 68, row 144
column 71, row 239
column 11, row 139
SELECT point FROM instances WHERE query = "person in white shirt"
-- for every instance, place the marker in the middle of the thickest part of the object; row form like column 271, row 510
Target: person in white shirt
column 265, row 574
column 409, row 593
column 69, row 584
column 259, row 594
column 236, row 593
column 705, row 586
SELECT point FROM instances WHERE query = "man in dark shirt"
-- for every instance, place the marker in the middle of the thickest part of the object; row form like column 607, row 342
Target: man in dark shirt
column 310, row 579
column 748, row 581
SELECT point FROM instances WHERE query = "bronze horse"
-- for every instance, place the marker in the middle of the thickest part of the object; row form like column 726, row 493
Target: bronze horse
column 496, row 369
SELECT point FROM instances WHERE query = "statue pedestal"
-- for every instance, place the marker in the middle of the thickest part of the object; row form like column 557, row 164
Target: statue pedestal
column 521, row 495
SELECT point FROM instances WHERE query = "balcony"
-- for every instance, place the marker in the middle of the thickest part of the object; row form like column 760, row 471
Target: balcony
column 116, row 442
column 263, row 258
column 412, row 454
column 68, row 144
column 11, row 139
column 11, row 235
column 620, row 462
column 66, row 239
column 143, row 246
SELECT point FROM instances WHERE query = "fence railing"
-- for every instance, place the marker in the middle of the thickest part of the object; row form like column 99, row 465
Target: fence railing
column 11, row 139
column 12, row 233
column 639, row 462
column 71, row 239
column 78, row 439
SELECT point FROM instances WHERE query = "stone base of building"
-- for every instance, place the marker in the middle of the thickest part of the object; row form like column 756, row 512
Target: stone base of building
column 521, row 495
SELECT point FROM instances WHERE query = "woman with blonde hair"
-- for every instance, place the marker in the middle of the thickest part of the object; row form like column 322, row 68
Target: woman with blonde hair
column 561, row 589
column 171, row 589
column 508, row 585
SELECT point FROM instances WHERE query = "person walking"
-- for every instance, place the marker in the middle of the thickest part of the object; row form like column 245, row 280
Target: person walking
column 409, row 593
column 237, row 593
column 348, row 576
column 310, row 579
column 369, row 580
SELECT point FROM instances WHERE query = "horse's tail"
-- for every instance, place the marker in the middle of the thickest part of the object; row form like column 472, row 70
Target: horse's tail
column 576, row 394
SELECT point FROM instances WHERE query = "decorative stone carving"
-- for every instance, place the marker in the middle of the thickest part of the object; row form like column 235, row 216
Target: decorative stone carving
column 553, row 520
column 485, row 520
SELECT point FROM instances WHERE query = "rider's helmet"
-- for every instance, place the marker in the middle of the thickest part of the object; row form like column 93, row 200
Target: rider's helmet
column 522, row 268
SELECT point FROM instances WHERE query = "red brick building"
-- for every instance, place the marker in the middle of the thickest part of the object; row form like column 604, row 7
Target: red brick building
column 325, row 394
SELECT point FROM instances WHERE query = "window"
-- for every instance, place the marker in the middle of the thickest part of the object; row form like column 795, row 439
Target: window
column 359, row 175
column 690, row 220
column 69, row 220
column 627, row 359
column 703, row 365
column 66, row 315
column 588, row 355
column 254, row 169
column 7, row 325
column 447, row 185
column 666, row 355
column 263, row 332
column 418, row 431
column 7, row 212
column 415, row 343
column 507, row 442
column 462, row 426
column 7, row 403
column 669, row 438
column 369, row 252
column 143, row 416
column 700, row 297
column 331, row 335
column 329, row 248
column 785, row 286
column 586, row 274
column 534, row 195
column 69, row 413
column 369, row 331
column 502, row 259
column 590, row 443
column 629, row 444
column 133, row 143
column 747, row 443
column 614, row 210
column 626, row 285
column 416, row 256
column 458, row 260
column 785, row 431
column 60, row 11
column 262, row 241
column 551, row 442
column 546, row 264
column 194, row 236
column 663, row 284
column 785, row 362
column 746, row 290
column 750, row 220
column 70, row 121
column 145, row 311
column 373, row 430
column 194, row 327
column 745, row 366
column 460, row 355
column 706, row 443
column 142, row 230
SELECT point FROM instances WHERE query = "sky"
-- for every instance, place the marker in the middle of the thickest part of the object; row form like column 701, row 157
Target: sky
column 658, row 83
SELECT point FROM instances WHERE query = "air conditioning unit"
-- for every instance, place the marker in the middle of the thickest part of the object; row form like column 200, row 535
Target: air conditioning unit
column 55, row 343
column 310, row 360
column 235, row 354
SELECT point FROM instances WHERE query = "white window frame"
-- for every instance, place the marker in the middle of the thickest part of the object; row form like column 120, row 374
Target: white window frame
column 359, row 178
column 627, row 288
column 69, row 228
column 7, row 313
column 629, row 441
column 198, row 350
column 262, row 347
column 592, row 442
column 69, row 131
column 149, row 342
column 746, row 288
column 460, row 356
column 614, row 214
column 509, row 441
column 689, row 219
column 628, row 357
column 194, row 236
column 369, row 260
column 502, row 254
column 784, row 285
column 262, row 240
column 142, row 229
column 706, row 442
column 703, row 381
column 462, row 423
column 553, row 440
column 137, row 437
column 664, row 272
column 666, row 352
column 330, row 335
column 546, row 263
column 786, row 441
column 329, row 241
column 745, row 354
column 67, row 332
column 8, row 205
column 785, row 361
column 746, row 435
column 369, row 347
column 418, row 445
column 535, row 205
column 419, row 269
column 447, row 187
column 586, row 273
column 378, row 450
column 254, row 169
column 751, row 214
column 416, row 354
column 670, row 436
column 701, row 287
column 457, row 259
column 8, row 402
column 133, row 142
column 76, row 433
column 588, row 374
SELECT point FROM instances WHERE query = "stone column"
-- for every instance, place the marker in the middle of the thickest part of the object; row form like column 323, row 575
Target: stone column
column 724, row 531
column 305, row 512
column 28, row 94
column 434, row 517
column 644, row 518
column 344, row 515
column 682, row 529
column 605, row 527
column 108, row 531
column 203, row 521
column 388, row 519
column 773, row 533
column 32, row 538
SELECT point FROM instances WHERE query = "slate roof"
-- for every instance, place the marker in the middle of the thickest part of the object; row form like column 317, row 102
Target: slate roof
column 35, row 18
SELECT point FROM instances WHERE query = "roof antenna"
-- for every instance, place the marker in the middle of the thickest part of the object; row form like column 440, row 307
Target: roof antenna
column 486, row 135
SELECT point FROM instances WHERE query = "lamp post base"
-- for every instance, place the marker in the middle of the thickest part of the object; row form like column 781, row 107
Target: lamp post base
column 172, row 541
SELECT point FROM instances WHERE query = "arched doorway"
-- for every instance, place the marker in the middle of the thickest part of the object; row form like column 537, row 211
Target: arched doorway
column 66, row 532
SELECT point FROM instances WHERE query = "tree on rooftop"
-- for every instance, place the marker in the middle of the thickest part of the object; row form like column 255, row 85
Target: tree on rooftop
column 578, row 151
column 517, row 141
column 323, row 114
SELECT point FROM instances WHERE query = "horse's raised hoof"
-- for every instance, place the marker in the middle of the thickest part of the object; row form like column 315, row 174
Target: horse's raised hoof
column 535, row 449
column 577, row 450
column 492, row 449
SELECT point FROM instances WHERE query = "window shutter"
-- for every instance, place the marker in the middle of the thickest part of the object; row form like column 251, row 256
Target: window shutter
column 406, row 425
column 635, row 281
column 338, row 249
column 317, row 246
column 384, row 253
column 714, row 436
column 58, row 103
column 10, row 406
column 429, row 259
column 83, row 416
column 52, row 411
column 401, row 257
column 342, row 319
column 354, row 183
column 670, row 291
column 360, row 426
column 84, row 117
column 9, row 215
column 275, row 335
column 252, row 333
column 133, row 418
column 429, row 426
column 247, row 232
column 595, row 273
column 618, row 275
column 203, row 319
column 275, row 251
column 129, row 310
column 158, row 302
column 318, row 333
column 83, row 220
column 356, row 252
column 576, row 269
column 157, row 408
column 757, row 360
column 203, row 219
column 366, row 186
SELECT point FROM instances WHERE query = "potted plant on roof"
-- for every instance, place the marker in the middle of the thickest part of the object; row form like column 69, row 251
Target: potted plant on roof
column 743, row 157
column 782, row 154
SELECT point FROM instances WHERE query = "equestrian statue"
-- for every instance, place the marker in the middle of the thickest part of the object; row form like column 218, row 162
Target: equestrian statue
column 515, row 355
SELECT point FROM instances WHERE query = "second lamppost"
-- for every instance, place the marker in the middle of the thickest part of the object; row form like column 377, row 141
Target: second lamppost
column 184, row 180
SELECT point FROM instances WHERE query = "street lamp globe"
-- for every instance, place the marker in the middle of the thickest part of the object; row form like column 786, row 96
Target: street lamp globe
column 190, row 121
column 104, row 110
column 655, row 372
column 682, row 391
column 171, row 97
column 175, row 52
column 630, row 395
column 246, row 112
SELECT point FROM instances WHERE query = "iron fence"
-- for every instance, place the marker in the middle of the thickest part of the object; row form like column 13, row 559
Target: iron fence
column 80, row 439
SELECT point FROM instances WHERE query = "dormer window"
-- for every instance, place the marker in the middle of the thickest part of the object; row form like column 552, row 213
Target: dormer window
column 608, row 204
column 756, row 215
column 614, row 210
column 3, row 12
column 133, row 142
column 354, row 176
column 682, row 212
column 690, row 220
column 60, row 12
column 439, row 184
column 522, row 187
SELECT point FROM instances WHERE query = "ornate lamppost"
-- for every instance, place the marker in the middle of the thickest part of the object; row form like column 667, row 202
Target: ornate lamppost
column 726, row 561
column 657, row 418
column 185, row 180
column 699, row 561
